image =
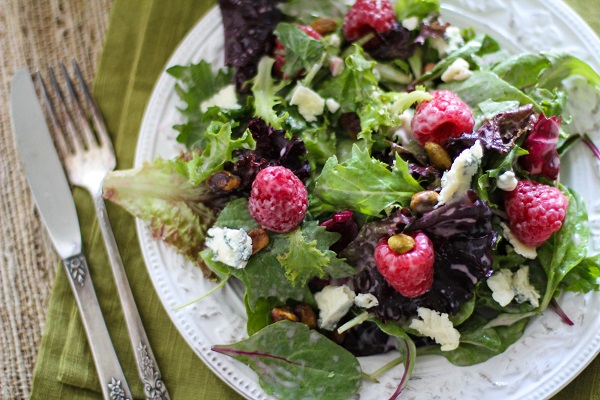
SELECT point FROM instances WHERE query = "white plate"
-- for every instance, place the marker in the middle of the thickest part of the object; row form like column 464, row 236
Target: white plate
column 544, row 360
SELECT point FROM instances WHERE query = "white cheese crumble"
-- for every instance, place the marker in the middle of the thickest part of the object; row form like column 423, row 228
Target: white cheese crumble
column 524, row 291
column 336, row 65
column 332, row 105
column 333, row 302
column 410, row 23
column 507, row 181
column 457, row 180
column 438, row 327
column 451, row 41
column 507, row 286
column 501, row 286
column 457, row 71
column 309, row 103
column 225, row 98
column 366, row 300
column 232, row 247
column 519, row 247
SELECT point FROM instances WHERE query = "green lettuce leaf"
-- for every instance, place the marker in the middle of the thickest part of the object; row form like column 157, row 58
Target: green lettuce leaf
column 161, row 194
column 365, row 184
column 265, row 94
column 306, row 11
column 294, row 362
column 301, row 50
column 415, row 8
column 218, row 149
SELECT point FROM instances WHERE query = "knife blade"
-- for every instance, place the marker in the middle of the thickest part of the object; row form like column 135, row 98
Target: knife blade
column 54, row 200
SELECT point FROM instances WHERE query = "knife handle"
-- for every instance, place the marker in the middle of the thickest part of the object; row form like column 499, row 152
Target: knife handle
column 112, row 379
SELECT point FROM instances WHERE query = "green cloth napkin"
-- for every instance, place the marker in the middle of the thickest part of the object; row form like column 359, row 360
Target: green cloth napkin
column 142, row 35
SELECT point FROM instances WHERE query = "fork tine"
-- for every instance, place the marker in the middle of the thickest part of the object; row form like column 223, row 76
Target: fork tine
column 97, row 118
column 88, row 134
column 59, row 137
column 68, row 124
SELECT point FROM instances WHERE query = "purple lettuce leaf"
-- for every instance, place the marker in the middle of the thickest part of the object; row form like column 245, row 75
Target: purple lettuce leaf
column 248, row 27
column 462, row 235
column 499, row 133
column 343, row 224
column 541, row 144
column 272, row 148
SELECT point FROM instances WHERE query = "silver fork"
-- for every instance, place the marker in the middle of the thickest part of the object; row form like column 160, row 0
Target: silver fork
column 88, row 155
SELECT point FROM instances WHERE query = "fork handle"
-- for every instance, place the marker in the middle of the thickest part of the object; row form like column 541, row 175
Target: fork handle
column 154, row 387
column 112, row 380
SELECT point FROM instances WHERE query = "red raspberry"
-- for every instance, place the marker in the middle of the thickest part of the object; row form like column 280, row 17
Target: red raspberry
column 278, row 199
column 441, row 118
column 280, row 49
column 535, row 211
column 410, row 273
column 366, row 16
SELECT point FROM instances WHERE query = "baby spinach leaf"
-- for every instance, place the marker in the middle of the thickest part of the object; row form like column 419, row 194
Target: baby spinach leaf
column 480, row 344
column 583, row 277
column 294, row 362
column 485, row 86
column 236, row 216
column 521, row 70
column 365, row 184
column 563, row 66
column 566, row 247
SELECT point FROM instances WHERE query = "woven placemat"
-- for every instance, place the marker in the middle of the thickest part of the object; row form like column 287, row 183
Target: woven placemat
column 33, row 34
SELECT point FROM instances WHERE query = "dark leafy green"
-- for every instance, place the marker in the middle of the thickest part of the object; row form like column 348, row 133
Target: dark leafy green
column 294, row 362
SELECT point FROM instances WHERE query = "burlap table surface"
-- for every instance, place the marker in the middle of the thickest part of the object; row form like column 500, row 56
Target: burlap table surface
column 37, row 34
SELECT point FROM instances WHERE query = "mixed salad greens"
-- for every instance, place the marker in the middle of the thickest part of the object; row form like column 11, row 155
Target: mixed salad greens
column 338, row 115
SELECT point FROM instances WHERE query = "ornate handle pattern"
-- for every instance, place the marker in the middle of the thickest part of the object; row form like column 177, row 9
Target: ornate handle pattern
column 154, row 387
column 112, row 380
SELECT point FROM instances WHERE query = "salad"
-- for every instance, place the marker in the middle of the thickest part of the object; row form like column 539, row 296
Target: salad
column 378, row 180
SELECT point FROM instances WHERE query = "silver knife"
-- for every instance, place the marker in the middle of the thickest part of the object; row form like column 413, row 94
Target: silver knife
column 54, row 201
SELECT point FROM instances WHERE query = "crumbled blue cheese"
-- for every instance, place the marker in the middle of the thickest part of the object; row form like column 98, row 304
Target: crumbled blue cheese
column 225, row 98
column 438, row 327
column 519, row 247
column 334, row 302
column 507, row 286
column 410, row 23
column 457, row 180
column 507, row 181
column 309, row 103
column 524, row 290
column 457, row 71
column 451, row 41
column 366, row 300
column 232, row 247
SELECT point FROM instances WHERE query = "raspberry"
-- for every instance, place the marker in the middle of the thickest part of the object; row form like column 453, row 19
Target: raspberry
column 441, row 118
column 411, row 272
column 366, row 16
column 278, row 199
column 279, row 53
column 535, row 211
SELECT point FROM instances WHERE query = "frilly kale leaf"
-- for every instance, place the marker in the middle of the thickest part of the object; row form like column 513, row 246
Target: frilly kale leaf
column 196, row 84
